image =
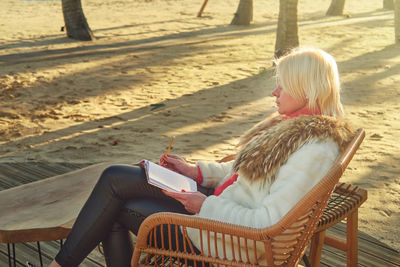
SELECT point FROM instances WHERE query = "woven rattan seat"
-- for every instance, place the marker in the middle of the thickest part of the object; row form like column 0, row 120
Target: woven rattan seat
column 344, row 200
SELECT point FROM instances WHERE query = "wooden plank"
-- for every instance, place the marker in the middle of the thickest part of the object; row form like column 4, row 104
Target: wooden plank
column 340, row 229
column 14, row 174
column 337, row 258
column 368, row 246
column 331, row 258
column 3, row 257
column 28, row 252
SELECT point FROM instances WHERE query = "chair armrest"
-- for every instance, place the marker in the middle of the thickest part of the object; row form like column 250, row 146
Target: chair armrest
column 241, row 238
column 188, row 221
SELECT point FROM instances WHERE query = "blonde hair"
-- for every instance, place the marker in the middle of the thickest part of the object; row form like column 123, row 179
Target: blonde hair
column 311, row 74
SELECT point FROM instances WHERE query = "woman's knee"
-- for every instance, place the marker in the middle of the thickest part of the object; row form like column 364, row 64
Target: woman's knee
column 108, row 180
column 109, row 176
column 110, row 173
column 121, row 179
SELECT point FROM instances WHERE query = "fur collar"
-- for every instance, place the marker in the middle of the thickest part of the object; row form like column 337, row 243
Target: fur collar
column 269, row 144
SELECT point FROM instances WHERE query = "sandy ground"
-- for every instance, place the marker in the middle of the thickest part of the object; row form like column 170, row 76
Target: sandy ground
column 156, row 70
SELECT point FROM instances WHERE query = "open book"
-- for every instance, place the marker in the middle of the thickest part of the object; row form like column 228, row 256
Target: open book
column 167, row 179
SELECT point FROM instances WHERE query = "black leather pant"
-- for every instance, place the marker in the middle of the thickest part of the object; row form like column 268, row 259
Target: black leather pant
column 119, row 203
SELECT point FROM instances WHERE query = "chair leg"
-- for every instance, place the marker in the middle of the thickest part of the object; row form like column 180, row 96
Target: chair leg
column 352, row 239
column 9, row 255
column 14, row 258
column 317, row 241
column 40, row 254
column 306, row 261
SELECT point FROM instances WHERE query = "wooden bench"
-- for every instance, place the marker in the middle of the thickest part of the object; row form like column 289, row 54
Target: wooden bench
column 45, row 210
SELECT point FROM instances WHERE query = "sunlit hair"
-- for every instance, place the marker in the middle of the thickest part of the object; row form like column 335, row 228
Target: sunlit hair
column 312, row 74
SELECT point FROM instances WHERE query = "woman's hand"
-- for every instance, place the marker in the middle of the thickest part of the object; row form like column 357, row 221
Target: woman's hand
column 192, row 201
column 178, row 164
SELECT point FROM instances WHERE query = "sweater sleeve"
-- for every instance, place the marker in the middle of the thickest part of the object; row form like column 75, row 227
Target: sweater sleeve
column 244, row 203
column 214, row 173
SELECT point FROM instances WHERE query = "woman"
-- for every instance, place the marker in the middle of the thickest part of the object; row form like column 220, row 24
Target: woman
column 279, row 161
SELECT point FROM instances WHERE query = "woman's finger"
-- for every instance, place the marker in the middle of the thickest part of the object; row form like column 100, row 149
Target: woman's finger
column 173, row 156
column 177, row 195
column 162, row 159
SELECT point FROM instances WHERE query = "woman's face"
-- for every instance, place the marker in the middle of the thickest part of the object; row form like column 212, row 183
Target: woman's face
column 286, row 103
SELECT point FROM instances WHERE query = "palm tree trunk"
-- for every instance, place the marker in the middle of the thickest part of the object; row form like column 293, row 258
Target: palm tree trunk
column 287, row 31
column 75, row 21
column 397, row 20
column 336, row 8
column 388, row 4
column 244, row 13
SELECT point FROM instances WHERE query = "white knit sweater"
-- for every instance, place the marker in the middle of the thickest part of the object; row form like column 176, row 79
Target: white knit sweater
column 256, row 205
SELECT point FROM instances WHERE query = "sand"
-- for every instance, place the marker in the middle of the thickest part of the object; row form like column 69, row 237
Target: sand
column 156, row 70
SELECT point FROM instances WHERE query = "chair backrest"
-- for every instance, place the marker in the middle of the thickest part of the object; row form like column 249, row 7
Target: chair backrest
column 282, row 244
column 288, row 239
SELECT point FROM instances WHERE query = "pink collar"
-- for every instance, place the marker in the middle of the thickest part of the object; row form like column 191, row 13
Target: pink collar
column 304, row 111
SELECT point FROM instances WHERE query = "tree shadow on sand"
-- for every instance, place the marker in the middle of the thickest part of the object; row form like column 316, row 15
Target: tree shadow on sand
column 228, row 116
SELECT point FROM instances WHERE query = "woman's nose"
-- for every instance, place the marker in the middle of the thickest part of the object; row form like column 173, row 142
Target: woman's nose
column 276, row 91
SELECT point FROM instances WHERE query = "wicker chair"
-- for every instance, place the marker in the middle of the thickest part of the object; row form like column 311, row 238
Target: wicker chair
column 284, row 243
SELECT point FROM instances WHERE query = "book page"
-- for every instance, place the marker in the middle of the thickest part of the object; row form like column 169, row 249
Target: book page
column 169, row 180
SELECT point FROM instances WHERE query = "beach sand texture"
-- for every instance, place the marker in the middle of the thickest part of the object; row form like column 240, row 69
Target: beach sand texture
column 156, row 70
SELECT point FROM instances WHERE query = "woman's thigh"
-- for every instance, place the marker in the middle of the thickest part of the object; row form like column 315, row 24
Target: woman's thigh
column 128, row 182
